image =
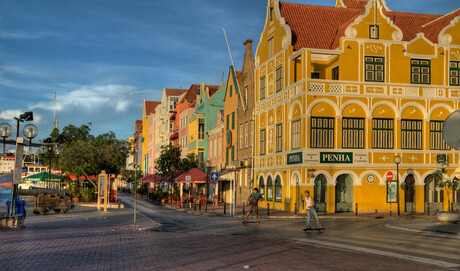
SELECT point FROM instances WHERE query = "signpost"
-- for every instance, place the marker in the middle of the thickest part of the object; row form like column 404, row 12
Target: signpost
column 214, row 176
column 389, row 176
column 102, row 190
column 392, row 187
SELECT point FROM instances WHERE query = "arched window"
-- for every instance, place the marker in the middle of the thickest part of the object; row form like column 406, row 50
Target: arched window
column 269, row 189
column 278, row 189
column 262, row 187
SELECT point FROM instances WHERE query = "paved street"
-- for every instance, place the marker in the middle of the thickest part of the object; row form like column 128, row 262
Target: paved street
column 90, row 240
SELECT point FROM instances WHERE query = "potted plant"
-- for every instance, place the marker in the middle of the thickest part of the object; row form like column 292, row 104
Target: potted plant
column 451, row 187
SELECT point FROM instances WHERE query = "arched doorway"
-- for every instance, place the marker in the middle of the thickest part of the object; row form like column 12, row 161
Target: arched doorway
column 433, row 194
column 278, row 189
column 320, row 192
column 409, row 193
column 269, row 195
column 344, row 194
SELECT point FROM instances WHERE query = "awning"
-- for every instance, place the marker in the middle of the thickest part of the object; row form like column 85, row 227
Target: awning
column 149, row 178
column 174, row 136
column 196, row 176
column 227, row 176
column 170, row 177
column 43, row 177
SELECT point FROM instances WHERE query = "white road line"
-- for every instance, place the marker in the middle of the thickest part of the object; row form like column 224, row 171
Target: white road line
column 378, row 252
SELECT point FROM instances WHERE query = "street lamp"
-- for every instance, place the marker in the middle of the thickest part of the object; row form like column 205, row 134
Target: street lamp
column 397, row 160
column 172, row 168
column 6, row 130
column 208, row 166
column 50, row 151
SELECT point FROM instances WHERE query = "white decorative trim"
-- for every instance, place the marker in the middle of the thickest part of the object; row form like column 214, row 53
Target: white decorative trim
column 287, row 38
column 295, row 172
column 393, row 106
column 445, row 40
column 323, row 100
column 445, row 106
column 397, row 36
column 353, row 175
column 419, row 106
column 358, row 102
column 373, row 172
column 329, row 179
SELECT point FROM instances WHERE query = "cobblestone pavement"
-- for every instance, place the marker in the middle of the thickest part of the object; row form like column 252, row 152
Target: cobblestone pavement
column 89, row 240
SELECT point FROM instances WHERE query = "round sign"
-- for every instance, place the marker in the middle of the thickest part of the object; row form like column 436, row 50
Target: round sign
column 389, row 176
column 451, row 130
column 457, row 173
column 370, row 178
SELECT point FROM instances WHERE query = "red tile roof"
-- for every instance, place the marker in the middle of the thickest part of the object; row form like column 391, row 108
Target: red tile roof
column 150, row 107
column 355, row 4
column 321, row 27
column 315, row 26
column 174, row 91
column 139, row 122
column 212, row 89
column 410, row 23
column 191, row 93
column 432, row 29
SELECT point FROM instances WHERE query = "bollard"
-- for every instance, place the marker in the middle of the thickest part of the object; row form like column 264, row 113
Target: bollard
column 225, row 207
column 325, row 209
column 268, row 209
column 356, row 209
column 428, row 208
column 243, row 209
column 194, row 205
column 451, row 206
column 200, row 205
column 295, row 208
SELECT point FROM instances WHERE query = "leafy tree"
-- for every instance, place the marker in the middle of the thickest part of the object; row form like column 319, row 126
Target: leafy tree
column 84, row 154
column 170, row 156
column 131, row 175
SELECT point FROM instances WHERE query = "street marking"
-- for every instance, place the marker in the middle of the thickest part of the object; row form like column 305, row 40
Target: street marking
column 379, row 252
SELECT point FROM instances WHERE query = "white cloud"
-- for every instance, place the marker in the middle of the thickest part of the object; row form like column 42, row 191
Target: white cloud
column 25, row 35
column 10, row 114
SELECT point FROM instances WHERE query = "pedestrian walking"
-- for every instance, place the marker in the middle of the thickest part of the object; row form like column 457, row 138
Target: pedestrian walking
column 253, row 201
column 310, row 207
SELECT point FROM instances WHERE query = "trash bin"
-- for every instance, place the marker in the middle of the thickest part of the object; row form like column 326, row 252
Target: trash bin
column 20, row 207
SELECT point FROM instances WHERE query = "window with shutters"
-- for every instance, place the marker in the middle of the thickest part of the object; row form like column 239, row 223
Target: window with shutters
column 353, row 133
column 382, row 133
column 262, row 88
column 279, row 79
column 436, row 140
column 262, row 142
column 375, row 69
column 454, row 73
column 279, row 138
column 411, row 134
column 420, row 71
column 296, row 134
column 322, row 132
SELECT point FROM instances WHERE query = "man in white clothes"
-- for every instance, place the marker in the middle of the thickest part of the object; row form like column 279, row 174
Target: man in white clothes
column 310, row 206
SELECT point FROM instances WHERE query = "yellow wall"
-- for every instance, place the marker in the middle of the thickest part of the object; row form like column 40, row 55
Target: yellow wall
column 351, row 96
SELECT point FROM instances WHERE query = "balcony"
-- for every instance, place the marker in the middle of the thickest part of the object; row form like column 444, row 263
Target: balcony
column 376, row 89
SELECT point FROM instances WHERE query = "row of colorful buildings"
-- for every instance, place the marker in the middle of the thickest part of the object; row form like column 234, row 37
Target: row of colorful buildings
column 330, row 98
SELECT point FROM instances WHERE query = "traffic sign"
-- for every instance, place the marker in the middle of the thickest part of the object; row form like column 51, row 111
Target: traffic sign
column 457, row 173
column 188, row 179
column 214, row 176
column 389, row 176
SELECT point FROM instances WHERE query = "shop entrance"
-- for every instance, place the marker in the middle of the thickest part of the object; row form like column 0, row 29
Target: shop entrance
column 320, row 192
column 409, row 193
column 344, row 194
column 433, row 194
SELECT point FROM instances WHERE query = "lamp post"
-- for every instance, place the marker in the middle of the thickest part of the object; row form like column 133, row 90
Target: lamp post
column 6, row 130
column 397, row 160
column 172, row 168
column 208, row 166
column 50, row 151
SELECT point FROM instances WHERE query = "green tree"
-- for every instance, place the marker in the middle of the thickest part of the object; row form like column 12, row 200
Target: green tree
column 189, row 162
column 169, row 156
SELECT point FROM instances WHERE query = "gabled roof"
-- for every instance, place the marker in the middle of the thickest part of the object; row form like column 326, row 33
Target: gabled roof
column 321, row 27
column 174, row 91
column 315, row 26
column 410, row 23
column 432, row 29
column 150, row 107
column 191, row 93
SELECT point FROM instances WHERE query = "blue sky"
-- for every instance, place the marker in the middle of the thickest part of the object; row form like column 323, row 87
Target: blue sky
column 104, row 57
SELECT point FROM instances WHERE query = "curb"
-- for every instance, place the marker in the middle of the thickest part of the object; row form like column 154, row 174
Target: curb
column 442, row 233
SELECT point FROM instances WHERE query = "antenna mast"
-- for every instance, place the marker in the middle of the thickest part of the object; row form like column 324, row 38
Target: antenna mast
column 237, row 81
column 55, row 125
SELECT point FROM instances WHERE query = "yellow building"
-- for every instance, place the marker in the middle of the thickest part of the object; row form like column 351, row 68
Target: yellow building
column 340, row 91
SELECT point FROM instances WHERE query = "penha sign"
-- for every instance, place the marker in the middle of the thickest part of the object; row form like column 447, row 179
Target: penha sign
column 294, row 158
column 336, row 157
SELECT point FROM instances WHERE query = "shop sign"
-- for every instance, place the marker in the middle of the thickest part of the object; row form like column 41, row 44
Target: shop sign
column 294, row 158
column 336, row 157
column 441, row 158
